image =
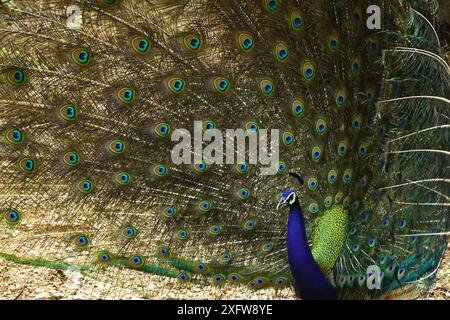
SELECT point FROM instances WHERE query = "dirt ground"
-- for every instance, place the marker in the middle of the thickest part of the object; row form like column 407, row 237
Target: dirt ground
column 28, row 282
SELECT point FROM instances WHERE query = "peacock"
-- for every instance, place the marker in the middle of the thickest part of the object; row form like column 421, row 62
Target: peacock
column 92, row 93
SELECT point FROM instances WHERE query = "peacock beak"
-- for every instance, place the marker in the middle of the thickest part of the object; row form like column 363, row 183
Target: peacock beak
column 281, row 204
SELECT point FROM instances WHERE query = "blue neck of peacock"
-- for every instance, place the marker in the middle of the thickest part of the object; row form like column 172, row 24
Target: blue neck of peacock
column 310, row 282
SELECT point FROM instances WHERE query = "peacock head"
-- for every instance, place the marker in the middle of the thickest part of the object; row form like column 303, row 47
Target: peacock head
column 288, row 199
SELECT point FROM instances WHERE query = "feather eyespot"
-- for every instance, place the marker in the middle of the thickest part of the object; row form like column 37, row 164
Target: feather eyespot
column 280, row 282
column 183, row 277
column 218, row 279
column 176, row 85
column 136, row 261
column 226, row 257
column 215, row 230
column 363, row 182
column 192, row 42
column 338, row 197
column 117, row 147
column 297, row 107
column 12, row 216
column 321, row 127
column 362, row 150
column 81, row 56
column 356, row 17
column 267, row 247
column 346, row 202
column 403, row 223
column 332, row 176
column 122, row 178
column 201, row 267
column 208, row 125
column 341, row 98
column 164, row 251
column 347, row 176
column 313, row 208
column 16, row 76
column 242, row 168
column 312, row 184
column 160, row 170
column 258, row 282
column 267, row 87
column 129, row 232
column 81, row 241
column 182, row 234
column 374, row 47
column 72, row 159
column 27, row 165
column 162, row 129
column 69, row 112
column 234, row 278
column 243, row 193
column 342, row 148
column 221, row 85
column 372, row 242
column 355, row 65
column 316, row 153
column 356, row 122
column 281, row 51
column 251, row 127
column 282, row 168
column 271, row 5
column 288, row 138
column 356, row 205
column 169, row 212
column 104, row 257
column 333, row 42
column 296, row 21
column 245, row 42
column 126, row 95
column 249, row 225
column 204, row 206
column 356, row 247
column 364, row 217
column 341, row 280
column 200, row 167
column 308, row 70
column 14, row 136
column 328, row 201
column 85, row 186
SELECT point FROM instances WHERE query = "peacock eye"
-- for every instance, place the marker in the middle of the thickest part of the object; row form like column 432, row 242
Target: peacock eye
column 290, row 198
column 282, row 168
